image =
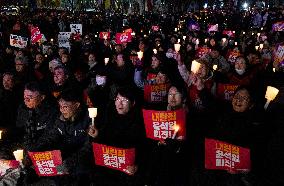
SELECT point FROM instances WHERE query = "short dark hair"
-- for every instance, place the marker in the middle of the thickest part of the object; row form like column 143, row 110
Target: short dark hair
column 71, row 95
column 127, row 93
column 35, row 87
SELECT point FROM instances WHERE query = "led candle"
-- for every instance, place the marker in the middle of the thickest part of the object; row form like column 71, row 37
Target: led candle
column 177, row 47
column 92, row 114
column 195, row 66
column 271, row 93
column 140, row 55
column 106, row 61
column 19, row 155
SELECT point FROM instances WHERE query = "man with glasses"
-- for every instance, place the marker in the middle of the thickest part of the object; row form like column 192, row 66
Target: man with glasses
column 35, row 115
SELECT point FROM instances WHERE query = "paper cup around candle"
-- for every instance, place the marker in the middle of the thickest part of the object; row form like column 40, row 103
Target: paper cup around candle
column 195, row 66
column 140, row 55
column 215, row 67
column 93, row 112
column 155, row 51
column 178, row 40
column 176, row 29
column 256, row 47
column 271, row 93
column 224, row 40
column 274, row 69
column 176, row 128
column 106, row 61
column 133, row 33
column 19, row 155
column 184, row 37
column 205, row 40
column 0, row 134
column 197, row 42
column 236, row 43
column 258, row 34
column 177, row 47
column 261, row 46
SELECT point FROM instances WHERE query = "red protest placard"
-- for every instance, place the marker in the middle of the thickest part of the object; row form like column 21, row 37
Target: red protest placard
column 104, row 35
column 224, row 156
column 155, row 28
column 226, row 91
column 35, row 35
column 213, row 28
column 8, row 164
column 279, row 26
column 161, row 125
column 232, row 56
column 229, row 33
column 202, row 51
column 113, row 157
column 47, row 163
column 123, row 37
column 156, row 93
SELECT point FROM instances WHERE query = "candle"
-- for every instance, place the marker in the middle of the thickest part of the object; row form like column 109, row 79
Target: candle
column 93, row 114
column 1, row 134
column 96, row 35
column 155, row 51
column 261, row 46
column 236, row 43
column 133, row 33
column 224, row 40
column 183, row 37
column 106, row 61
column 274, row 69
column 215, row 67
column 271, row 93
column 178, row 40
column 205, row 40
column 177, row 47
column 140, row 55
column 244, row 33
column 105, row 37
column 256, row 47
column 197, row 42
column 176, row 29
column 258, row 34
column 145, row 35
column 261, row 28
column 19, row 155
column 234, row 32
column 141, row 31
column 195, row 66
column 176, row 128
column 252, row 34
column 51, row 40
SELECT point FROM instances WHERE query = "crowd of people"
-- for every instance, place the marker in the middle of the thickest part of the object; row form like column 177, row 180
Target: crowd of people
column 44, row 97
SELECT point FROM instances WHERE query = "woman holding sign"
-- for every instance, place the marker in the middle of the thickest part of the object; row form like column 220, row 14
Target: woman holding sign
column 117, row 142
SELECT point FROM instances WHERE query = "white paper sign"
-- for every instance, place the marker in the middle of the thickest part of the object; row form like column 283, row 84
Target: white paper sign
column 76, row 28
column 18, row 41
column 63, row 39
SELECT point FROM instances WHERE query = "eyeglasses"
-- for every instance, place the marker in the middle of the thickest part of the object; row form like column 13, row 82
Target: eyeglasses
column 241, row 98
column 30, row 97
column 174, row 95
column 122, row 100
column 65, row 106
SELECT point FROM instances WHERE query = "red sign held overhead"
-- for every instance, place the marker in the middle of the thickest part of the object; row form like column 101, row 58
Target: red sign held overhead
column 224, row 156
column 161, row 125
column 113, row 157
column 229, row 33
column 226, row 91
column 155, row 28
column 35, row 35
column 47, row 163
column 123, row 37
column 104, row 35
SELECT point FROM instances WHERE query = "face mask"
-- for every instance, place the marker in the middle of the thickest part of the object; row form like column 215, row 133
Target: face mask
column 240, row 72
column 169, row 55
column 101, row 80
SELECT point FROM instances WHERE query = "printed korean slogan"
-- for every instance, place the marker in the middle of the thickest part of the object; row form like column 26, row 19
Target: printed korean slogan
column 226, row 91
column 161, row 125
column 8, row 164
column 48, row 163
column 104, row 35
column 36, row 36
column 123, row 37
column 224, row 156
column 233, row 56
column 113, row 157
column 18, row 41
column 156, row 93
column 155, row 28
column 76, row 29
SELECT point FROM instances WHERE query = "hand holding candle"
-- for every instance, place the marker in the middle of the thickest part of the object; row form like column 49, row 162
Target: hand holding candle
column 93, row 114
column 271, row 93
column 1, row 134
